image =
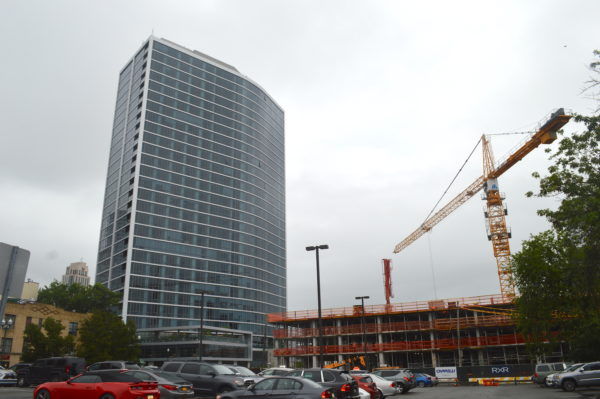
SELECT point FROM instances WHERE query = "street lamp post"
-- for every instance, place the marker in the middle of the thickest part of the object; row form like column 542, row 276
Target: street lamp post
column 320, row 321
column 362, row 324
column 201, row 332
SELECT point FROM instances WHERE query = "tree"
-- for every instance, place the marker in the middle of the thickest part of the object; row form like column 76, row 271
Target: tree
column 52, row 343
column 105, row 336
column 593, row 84
column 557, row 272
column 79, row 298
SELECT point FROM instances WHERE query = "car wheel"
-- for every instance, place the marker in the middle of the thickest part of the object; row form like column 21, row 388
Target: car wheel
column 107, row 396
column 568, row 385
column 22, row 382
column 421, row 384
column 43, row 394
column 381, row 395
column 405, row 390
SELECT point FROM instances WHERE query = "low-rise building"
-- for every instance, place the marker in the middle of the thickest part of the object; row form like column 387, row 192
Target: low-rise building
column 216, row 345
column 19, row 314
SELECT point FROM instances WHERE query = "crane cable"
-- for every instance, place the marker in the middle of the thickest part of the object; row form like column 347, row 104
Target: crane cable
column 457, row 173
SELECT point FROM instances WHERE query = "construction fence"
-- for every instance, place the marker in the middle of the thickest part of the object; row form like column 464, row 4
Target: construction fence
column 505, row 373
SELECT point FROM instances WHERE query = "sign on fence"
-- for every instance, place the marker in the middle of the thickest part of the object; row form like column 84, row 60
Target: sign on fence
column 446, row 372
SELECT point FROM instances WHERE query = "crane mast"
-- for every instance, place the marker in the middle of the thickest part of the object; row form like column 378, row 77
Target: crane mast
column 498, row 233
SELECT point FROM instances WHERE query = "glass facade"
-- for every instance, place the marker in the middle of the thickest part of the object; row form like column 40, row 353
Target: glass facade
column 195, row 194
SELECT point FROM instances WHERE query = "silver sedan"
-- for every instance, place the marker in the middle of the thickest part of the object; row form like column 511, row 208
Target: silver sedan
column 387, row 387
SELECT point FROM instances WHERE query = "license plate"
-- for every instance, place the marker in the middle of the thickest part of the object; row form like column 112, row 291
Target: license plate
column 150, row 397
column 184, row 389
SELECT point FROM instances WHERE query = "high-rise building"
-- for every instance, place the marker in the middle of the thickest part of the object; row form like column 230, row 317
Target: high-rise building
column 194, row 205
column 76, row 273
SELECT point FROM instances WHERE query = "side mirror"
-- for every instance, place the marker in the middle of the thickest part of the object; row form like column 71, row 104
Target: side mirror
column 251, row 387
column 212, row 374
column 581, row 370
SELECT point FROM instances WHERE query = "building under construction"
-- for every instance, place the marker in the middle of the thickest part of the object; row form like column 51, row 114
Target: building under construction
column 475, row 331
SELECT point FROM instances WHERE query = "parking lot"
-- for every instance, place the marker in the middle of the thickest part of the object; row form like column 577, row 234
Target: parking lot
column 524, row 391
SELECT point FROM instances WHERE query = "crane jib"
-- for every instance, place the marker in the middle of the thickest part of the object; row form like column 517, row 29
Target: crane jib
column 545, row 134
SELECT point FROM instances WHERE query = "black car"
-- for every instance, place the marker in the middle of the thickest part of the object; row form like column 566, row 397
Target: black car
column 50, row 369
column 170, row 387
column 281, row 387
column 339, row 382
column 208, row 379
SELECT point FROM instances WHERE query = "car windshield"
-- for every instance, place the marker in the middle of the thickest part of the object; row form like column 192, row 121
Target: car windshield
column 223, row 369
column 170, row 378
column 573, row 367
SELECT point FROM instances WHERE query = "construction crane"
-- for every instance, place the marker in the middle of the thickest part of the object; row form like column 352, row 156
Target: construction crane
column 498, row 234
column 387, row 281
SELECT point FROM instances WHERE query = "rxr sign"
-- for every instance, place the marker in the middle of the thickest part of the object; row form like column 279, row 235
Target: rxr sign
column 500, row 370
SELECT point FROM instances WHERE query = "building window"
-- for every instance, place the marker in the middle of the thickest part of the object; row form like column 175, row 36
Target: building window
column 6, row 346
column 10, row 319
column 73, row 328
column 40, row 322
column 28, row 320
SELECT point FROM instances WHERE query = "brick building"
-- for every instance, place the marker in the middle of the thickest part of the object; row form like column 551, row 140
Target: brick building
column 19, row 315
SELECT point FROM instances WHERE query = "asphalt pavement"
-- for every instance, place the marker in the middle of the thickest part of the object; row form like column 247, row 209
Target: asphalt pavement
column 524, row 391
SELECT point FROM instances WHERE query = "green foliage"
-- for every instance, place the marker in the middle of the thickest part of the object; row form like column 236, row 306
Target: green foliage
column 105, row 336
column 557, row 272
column 39, row 345
column 79, row 298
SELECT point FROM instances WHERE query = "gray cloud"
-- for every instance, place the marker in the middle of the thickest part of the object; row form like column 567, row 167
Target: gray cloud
column 383, row 102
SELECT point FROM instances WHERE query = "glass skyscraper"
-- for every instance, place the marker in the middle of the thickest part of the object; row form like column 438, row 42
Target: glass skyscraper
column 195, row 194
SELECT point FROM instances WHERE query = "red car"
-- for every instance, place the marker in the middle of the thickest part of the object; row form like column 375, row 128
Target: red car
column 365, row 382
column 107, row 384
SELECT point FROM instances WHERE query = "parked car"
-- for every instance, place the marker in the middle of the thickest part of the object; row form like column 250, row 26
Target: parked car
column 275, row 371
column 339, row 382
column 208, row 379
column 281, row 387
column 434, row 379
column 362, row 394
column 249, row 376
column 169, row 386
column 423, row 380
column 113, row 365
column 543, row 370
column 18, row 366
column 386, row 387
column 583, row 376
column 553, row 378
column 50, row 369
column 358, row 372
column 105, row 384
column 403, row 377
column 7, row 377
column 366, row 383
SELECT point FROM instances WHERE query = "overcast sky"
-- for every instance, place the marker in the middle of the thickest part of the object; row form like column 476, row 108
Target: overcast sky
column 384, row 100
